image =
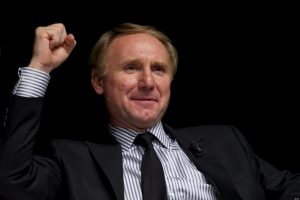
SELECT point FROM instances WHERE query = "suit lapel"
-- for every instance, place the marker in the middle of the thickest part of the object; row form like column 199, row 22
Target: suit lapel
column 109, row 158
column 202, row 153
column 210, row 165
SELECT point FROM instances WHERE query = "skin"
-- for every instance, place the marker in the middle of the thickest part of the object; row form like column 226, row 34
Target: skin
column 52, row 46
column 137, row 84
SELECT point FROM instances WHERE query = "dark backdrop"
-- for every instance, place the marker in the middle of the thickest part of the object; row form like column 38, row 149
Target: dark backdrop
column 237, row 66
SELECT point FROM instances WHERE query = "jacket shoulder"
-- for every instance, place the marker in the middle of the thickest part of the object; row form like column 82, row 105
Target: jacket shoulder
column 68, row 148
column 68, row 144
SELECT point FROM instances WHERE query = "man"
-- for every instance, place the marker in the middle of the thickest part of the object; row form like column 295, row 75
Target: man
column 133, row 67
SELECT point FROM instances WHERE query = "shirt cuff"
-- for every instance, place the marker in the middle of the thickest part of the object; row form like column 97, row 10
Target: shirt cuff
column 31, row 83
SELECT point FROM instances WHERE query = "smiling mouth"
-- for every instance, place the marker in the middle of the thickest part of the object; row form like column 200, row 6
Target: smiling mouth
column 145, row 101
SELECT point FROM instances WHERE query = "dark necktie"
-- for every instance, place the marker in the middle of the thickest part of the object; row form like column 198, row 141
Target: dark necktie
column 153, row 179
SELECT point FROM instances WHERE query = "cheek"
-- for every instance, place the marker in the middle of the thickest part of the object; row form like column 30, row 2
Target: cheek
column 165, row 86
column 127, row 84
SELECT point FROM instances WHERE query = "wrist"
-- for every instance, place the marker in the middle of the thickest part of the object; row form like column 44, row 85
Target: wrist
column 38, row 65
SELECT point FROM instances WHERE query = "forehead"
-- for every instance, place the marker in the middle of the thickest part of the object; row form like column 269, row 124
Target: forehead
column 136, row 37
column 139, row 43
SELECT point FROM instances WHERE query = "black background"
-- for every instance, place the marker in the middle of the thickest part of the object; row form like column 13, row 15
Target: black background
column 237, row 66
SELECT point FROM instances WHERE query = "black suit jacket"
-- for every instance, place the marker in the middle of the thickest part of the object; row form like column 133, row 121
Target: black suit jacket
column 93, row 170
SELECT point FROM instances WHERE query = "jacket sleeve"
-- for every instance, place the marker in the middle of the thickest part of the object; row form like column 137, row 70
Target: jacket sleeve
column 22, row 174
column 278, row 184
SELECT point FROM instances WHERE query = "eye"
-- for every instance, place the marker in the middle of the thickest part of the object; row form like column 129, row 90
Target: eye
column 159, row 68
column 131, row 68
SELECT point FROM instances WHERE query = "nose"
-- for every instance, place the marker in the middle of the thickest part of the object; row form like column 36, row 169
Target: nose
column 146, row 81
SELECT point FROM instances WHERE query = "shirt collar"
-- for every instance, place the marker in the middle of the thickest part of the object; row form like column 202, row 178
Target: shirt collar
column 126, row 136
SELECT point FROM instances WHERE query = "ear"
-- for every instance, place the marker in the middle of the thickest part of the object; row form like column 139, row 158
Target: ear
column 97, row 82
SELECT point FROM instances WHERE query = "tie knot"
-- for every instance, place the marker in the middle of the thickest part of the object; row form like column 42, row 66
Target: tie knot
column 144, row 140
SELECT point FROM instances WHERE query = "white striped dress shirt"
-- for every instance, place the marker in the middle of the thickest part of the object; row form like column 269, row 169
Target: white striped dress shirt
column 31, row 83
column 183, row 180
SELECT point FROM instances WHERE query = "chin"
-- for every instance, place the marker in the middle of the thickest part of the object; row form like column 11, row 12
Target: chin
column 146, row 123
column 145, row 118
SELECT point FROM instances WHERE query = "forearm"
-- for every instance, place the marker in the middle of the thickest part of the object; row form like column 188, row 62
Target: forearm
column 17, row 171
column 292, row 189
column 276, row 184
column 18, row 139
column 22, row 120
column 279, row 184
column 21, row 173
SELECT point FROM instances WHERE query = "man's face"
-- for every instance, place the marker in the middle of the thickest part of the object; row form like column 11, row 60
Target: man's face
column 137, row 84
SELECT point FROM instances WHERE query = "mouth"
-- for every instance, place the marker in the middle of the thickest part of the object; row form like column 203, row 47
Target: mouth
column 145, row 100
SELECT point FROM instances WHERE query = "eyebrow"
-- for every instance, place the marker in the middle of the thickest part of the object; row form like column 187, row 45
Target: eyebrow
column 137, row 61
